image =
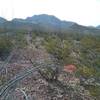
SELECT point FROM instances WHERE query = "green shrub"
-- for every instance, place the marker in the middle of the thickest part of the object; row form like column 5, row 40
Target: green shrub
column 5, row 46
column 59, row 48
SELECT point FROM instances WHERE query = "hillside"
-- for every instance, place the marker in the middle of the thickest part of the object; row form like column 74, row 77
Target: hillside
column 44, row 58
column 46, row 23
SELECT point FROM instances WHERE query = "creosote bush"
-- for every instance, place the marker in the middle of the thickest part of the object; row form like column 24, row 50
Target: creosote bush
column 6, row 46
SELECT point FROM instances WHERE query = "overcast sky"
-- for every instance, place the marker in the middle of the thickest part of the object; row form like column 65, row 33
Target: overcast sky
column 85, row 12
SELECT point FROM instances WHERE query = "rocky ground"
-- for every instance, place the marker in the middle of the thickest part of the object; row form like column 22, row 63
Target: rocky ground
column 35, row 86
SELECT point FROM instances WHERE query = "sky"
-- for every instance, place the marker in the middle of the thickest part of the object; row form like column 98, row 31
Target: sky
column 84, row 12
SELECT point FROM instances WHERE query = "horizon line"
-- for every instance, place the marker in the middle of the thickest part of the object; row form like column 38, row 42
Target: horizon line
column 23, row 18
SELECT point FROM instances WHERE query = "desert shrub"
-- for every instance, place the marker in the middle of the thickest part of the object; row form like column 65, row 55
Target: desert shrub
column 49, row 74
column 59, row 48
column 5, row 46
column 87, row 71
column 94, row 90
column 20, row 40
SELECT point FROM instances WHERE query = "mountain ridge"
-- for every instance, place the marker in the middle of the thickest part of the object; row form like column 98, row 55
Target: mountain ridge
column 47, row 23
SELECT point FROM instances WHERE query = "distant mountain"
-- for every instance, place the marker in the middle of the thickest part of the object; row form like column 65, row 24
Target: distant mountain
column 46, row 23
column 49, row 23
column 2, row 20
column 85, row 30
column 98, row 27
